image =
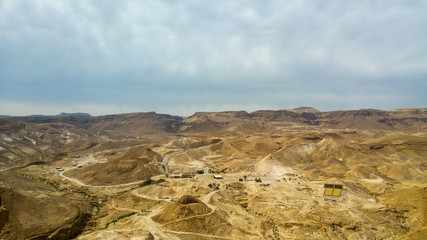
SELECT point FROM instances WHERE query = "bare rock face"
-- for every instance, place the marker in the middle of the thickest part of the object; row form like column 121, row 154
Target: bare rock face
column 38, row 211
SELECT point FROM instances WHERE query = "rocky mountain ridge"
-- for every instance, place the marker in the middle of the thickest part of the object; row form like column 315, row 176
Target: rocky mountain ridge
column 153, row 123
column 25, row 140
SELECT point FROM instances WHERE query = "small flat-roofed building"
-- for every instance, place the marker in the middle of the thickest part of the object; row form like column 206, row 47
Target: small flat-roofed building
column 217, row 176
column 333, row 190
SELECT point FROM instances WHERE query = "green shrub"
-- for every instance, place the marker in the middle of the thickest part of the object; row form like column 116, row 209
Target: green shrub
column 147, row 181
column 160, row 180
column 59, row 156
column 119, row 218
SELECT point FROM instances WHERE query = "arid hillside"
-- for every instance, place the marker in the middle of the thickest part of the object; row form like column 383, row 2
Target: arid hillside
column 37, row 209
column 286, row 174
column 23, row 143
column 119, row 125
column 134, row 164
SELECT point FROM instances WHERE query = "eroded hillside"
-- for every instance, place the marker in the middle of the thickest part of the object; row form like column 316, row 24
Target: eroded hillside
column 227, row 175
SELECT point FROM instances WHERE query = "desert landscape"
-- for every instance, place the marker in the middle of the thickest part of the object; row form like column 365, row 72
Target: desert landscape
column 270, row 174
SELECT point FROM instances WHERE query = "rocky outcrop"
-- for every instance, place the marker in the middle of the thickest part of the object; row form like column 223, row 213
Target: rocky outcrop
column 38, row 211
column 4, row 216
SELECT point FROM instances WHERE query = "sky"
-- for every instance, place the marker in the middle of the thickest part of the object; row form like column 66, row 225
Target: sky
column 180, row 57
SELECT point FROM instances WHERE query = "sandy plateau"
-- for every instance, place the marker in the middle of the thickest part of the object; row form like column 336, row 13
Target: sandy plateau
column 229, row 175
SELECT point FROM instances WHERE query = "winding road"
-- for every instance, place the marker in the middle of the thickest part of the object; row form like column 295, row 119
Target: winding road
column 168, row 157
column 164, row 163
column 97, row 186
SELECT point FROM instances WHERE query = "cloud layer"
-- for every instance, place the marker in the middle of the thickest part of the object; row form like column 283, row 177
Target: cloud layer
column 190, row 56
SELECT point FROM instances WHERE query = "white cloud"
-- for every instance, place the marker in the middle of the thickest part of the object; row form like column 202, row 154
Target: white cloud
column 136, row 50
column 248, row 14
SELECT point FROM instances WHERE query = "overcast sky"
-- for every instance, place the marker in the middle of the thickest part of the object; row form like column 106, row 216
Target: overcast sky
column 179, row 57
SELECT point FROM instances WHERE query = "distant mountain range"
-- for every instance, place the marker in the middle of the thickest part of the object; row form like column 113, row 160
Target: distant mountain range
column 51, row 116
column 131, row 124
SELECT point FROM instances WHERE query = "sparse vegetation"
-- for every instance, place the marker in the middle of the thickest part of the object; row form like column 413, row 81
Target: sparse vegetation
column 119, row 218
column 235, row 186
column 214, row 186
column 51, row 183
column 160, row 180
column 147, row 182
column 17, row 168
column 150, row 181
column 59, row 156
column 272, row 223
